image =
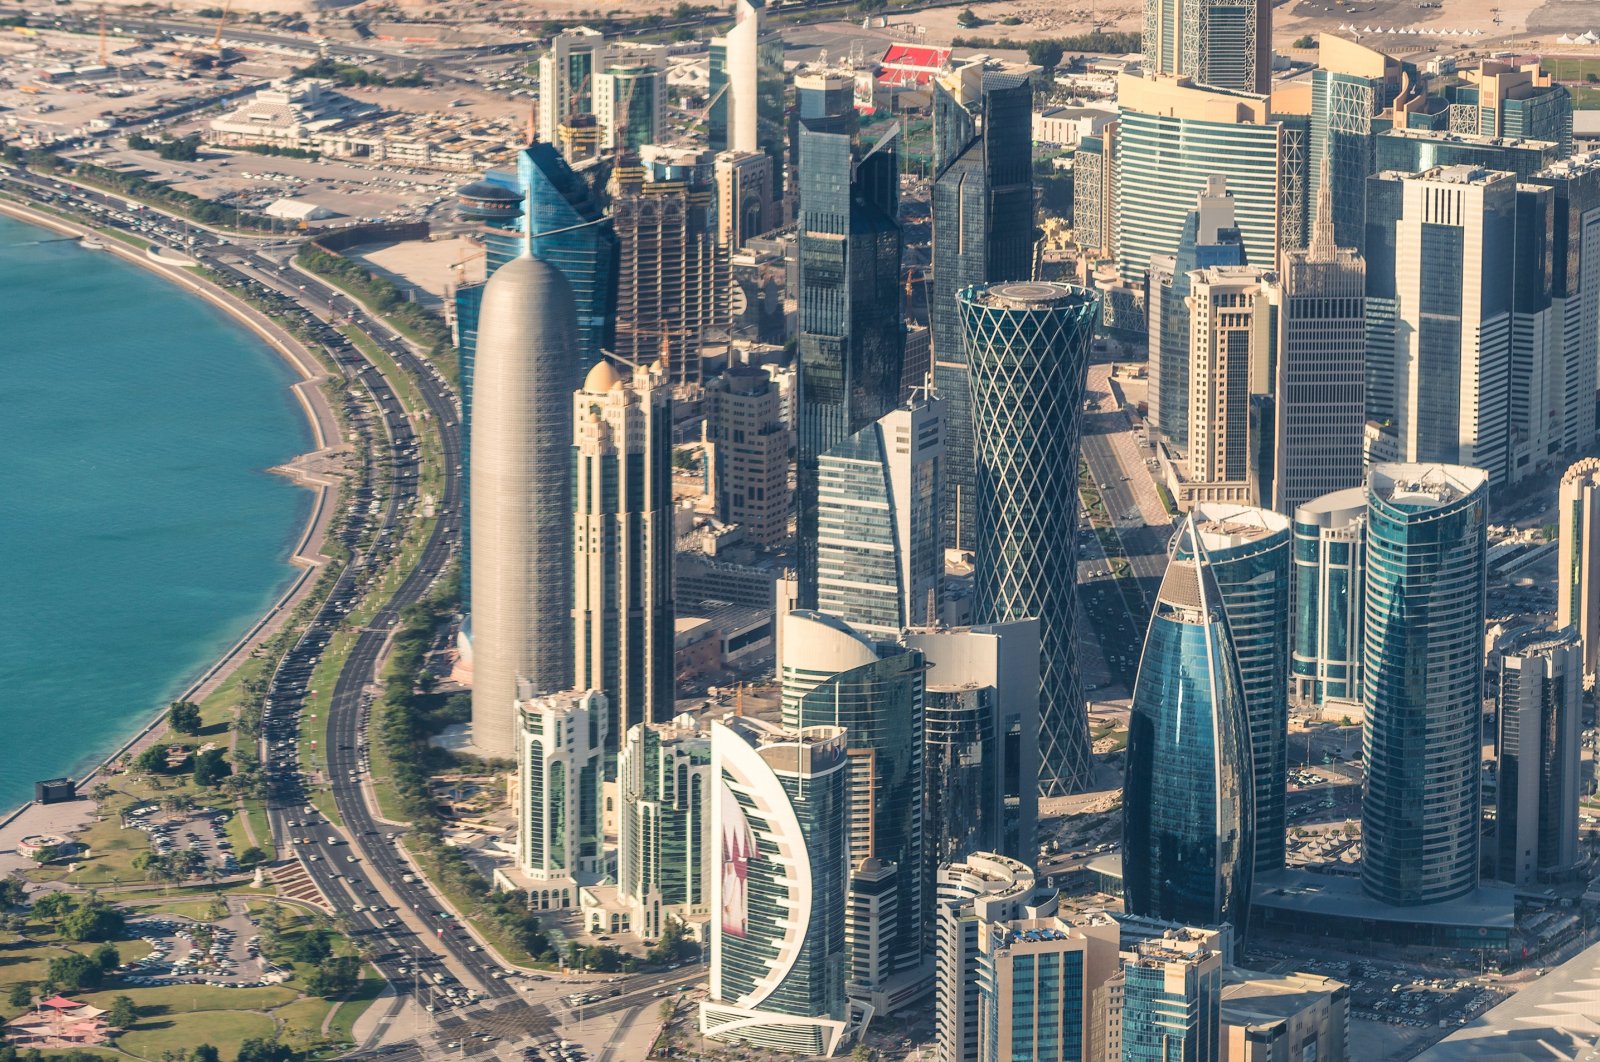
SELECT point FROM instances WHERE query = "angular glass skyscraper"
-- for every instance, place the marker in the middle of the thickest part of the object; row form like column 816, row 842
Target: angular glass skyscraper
column 1027, row 358
column 1423, row 676
column 1188, row 816
column 585, row 250
column 982, row 233
column 1247, row 552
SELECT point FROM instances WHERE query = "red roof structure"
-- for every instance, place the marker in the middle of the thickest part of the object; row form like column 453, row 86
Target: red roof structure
column 904, row 65
column 60, row 1003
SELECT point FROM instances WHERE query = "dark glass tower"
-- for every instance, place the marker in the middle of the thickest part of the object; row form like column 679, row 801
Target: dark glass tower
column 1028, row 354
column 851, row 339
column 982, row 233
column 585, row 250
column 1188, row 816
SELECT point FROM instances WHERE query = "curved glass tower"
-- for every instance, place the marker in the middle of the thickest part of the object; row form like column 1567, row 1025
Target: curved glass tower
column 1423, row 675
column 1188, row 816
column 1027, row 347
column 1326, row 640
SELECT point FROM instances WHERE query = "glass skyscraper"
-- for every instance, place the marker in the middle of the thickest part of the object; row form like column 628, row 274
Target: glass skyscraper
column 571, row 232
column 1172, row 999
column 1329, row 575
column 982, row 233
column 1224, row 44
column 1540, row 711
column 1423, row 675
column 664, row 775
column 1027, row 358
column 1188, row 816
column 1247, row 552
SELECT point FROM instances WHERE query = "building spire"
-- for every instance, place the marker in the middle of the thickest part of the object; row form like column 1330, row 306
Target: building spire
column 1322, row 248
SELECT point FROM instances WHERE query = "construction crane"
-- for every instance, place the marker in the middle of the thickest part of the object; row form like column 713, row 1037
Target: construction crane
column 105, row 59
column 216, row 42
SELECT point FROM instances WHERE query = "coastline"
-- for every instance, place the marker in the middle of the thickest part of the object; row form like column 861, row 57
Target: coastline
column 306, row 553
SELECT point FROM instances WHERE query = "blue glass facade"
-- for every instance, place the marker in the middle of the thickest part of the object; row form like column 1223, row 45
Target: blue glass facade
column 1172, row 1005
column 559, row 199
column 1328, row 580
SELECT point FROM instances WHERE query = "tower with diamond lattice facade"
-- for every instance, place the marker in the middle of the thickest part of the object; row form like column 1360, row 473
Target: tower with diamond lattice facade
column 1027, row 347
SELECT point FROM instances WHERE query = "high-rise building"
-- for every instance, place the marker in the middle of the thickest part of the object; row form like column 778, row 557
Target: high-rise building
column 521, row 494
column 973, row 895
column 1188, row 816
column 1329, row 578
column 1247, row 551
column 561, row 742
column 1036, row 984
column 746, row 92
column 1540, row 709
column 851, row 340
column 1425, row 586
column 572, row 232
column 566, row 78
column 1293, row 1017
column 982, row 223
column 834, row 676
column 1094, row 192
column 1574, row 284
column 745, row 207
column 1415, row 150
column 780, row 812
column 1222, row 44
column 630, row 102
column 1578, row 531
column 1320, row 390
column 1209, row 239
column 1516, row 103
column 664, row 826
column 880, row 565
column 1233, row 340
column 623, row 614
column 980, row 717
column 1028, row 358
column 1172, row 998
column 750, row 453
column 1352, row 88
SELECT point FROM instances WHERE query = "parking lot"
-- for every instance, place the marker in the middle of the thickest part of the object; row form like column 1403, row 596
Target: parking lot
column 223, row 954
column 198, row 837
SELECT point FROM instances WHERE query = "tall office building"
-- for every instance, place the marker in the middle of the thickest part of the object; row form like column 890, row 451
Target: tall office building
column 880, row 565
column 833, row 676
column 1575, row 292
column 1425, row 586
column 851, row 340
column 664, row 829
column 561, row 741
column 566, row 78
column 780, row 812
column 980, row 712
column 1329, row 579
column 1172, row 998
column 1223, row 44
column 982, row 227
column 746, row 92
column 521, row 494
column 1188, row 815
column 623, row 614
column 1233, row 338
column 1094, row 192
column 1209, row 239
column 630, row 102
column 1352, row 89
column 1540, row 709
column 1320, row 389
column 1578, row 530
column 1247, row 551
column 1515, row 103
column 1028, row 357
column 749, row 453
column 572, row 232
column 1036, row 984
column 745, row 207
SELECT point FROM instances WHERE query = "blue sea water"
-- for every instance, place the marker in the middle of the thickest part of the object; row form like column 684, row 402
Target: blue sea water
column 140, row 533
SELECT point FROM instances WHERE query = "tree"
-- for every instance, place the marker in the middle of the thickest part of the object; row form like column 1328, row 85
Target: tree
column 107, row 957
column 95, row 920
column 52, row 905
column 152, row 760
column 100, row 792
column 312, row 947
column 205, row 1053
column 967, row 18
column 259, row 1050
column 334, row 977
column 74, row 973
column 122, row 1013
column 21, row 995
column 210, row 768
column 251, row 856
column 1045, row 53
column 1307, row 41
column 13, row 891
column 184, row 717
column 47, row 854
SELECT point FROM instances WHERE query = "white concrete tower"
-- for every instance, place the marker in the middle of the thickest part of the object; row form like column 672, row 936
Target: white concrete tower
column 743, row 65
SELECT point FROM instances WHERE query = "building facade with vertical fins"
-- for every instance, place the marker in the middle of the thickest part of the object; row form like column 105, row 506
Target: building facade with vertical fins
column 1578, row 535
column 1223, row 44
column 1329, row 583
column 561, row 741
column 664, row 834
column 1538, row 751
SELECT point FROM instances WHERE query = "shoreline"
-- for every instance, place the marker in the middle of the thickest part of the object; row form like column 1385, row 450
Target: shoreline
column 306, row 552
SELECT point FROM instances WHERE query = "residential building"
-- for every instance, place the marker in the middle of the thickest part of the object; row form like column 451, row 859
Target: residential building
column 980, row 712
column 1540, row 715
column 1294, row 1017
column 1247, row 552
column 745, row 207
column 880, row 564
column 664, row 775
column 1172, row 998
column 746, row 92
column 561, row 742
column 1028, row 355
column 1424, row 599
column 749, row 454
column 778, row 959
column 1221, row 44
column 1578, row 531
column 1036, row 984
column 1188, row 816
column 1329, row 581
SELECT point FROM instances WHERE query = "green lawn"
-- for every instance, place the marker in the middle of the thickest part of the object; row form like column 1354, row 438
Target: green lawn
column 1570, row 67
column 366, row 993
column 154, row 1036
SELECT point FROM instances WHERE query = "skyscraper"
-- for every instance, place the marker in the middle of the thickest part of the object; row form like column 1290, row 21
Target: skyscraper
column 561, row 741
column 780, row 813
column 1540, row 709
column 566, row 78
column 1028, row 355
column 1575, row 282
column 980, row 713
column 1426, row 577
column 622, row 599
column 745, row 207
column 750, row 453
column 879, row 561
column 664, row 834
column 1036, row 983
column 1172, row 998
column 630, row 102
column 1223, row 44
column 1329, row 579
column 1351, row 89
column 521, row 494
column 1247, row 551
column 1320, row 390
column 746, row 92
column 572, row 232
column 1578, row 529
column 851, row 340
column 1188, row 816
column 982, row 227
column 833, row 676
